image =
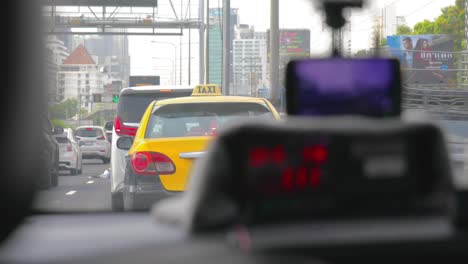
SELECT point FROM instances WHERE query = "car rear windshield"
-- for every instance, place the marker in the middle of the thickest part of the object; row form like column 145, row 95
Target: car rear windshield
column 88, row 132
column 109, row 125
column 201, row 119
column 62, row 140
column 132, row 106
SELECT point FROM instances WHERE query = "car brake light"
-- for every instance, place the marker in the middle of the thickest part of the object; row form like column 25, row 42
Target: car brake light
column 101, row 138
column 151, row 163
column 121, row 129
column 69, row 147
column 163, row 163
column 89, row 129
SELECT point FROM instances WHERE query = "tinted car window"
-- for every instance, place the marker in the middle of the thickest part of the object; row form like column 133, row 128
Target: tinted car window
column 62, row 140
column 109, row 125
column 132, row 106
column 94, row 132
column 199, row 119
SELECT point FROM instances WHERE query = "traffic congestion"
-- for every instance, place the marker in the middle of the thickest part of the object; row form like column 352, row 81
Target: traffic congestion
column 235, row 131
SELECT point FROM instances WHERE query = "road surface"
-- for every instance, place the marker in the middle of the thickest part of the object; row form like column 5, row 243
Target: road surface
column 88, row 192
column 84, row 192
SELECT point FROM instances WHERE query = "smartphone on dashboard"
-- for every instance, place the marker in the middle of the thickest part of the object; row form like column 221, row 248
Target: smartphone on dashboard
column 342, row 86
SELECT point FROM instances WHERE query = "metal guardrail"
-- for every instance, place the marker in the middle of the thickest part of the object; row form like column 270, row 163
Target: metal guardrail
column 444, row 101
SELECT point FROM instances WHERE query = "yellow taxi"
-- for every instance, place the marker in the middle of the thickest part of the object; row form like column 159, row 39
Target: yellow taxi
column 175, row 132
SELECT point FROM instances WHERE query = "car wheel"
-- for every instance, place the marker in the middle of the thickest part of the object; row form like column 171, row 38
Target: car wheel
column 117, row 202
column 45, row 178
column 128, row 200
column 105, row 160
column 80, row 170
column 54, row 178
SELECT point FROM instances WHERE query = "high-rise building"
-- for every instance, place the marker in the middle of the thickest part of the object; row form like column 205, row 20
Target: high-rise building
column 56, row 53
column 244, row 31
column 250, row 62
column 79, row 77
column 215, row 52
column 401, row 21
column 389, row 20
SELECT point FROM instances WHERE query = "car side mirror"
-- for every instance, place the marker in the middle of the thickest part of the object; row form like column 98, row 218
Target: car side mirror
column 57, row 130
column 124, row 143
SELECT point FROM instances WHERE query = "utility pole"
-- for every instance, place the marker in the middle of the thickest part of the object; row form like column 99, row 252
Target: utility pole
column 201, row 35
column 274, row 51
column 207, row 44
column 226, row 45
column 180, row 42
column 189, row 45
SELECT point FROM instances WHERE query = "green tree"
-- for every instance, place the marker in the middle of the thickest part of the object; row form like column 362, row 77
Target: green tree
column 58, row 122
column 451, row 21
column 424, row 27
column 383, row 42
column 404, row 30
column 64, row 110
column 361, row 53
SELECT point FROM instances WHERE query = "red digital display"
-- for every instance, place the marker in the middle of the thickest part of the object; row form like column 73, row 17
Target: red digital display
column 305, row 174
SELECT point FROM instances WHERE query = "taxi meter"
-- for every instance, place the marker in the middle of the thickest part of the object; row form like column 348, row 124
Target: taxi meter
column 318, row 169
column 207, row 90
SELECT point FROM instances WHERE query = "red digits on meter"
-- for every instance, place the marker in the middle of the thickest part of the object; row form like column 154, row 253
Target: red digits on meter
column 308, row 173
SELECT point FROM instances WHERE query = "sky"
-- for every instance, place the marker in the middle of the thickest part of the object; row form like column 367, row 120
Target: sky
column 155, row 58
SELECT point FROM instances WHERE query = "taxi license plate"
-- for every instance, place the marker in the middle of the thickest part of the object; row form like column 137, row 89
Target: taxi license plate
column 88, row 143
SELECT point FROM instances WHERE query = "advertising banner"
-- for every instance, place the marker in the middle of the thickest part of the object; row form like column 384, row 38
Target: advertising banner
column 425, row 59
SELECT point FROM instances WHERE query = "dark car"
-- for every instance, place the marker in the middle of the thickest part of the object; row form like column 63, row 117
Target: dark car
column 50, row 154
column 108, row 126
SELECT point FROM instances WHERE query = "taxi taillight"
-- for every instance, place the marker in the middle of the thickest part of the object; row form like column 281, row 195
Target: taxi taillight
column 151, row 163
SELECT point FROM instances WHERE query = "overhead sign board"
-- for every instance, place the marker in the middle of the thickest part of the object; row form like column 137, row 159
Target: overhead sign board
column 133, row 3
column 136, row 81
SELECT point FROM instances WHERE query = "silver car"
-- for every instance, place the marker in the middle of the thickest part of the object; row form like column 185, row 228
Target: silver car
column 70, row 157
column 94, row 143
column 133, row 102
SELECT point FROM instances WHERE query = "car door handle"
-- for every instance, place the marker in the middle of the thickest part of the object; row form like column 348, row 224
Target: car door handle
column 191, row 155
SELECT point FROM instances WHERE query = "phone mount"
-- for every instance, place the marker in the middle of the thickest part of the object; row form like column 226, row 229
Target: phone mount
column 336, row 20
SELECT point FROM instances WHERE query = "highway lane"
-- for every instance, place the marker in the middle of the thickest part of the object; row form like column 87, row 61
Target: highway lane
column 85, row 192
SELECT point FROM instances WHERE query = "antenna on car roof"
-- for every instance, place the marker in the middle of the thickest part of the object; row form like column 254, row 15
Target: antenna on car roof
column 336, row 20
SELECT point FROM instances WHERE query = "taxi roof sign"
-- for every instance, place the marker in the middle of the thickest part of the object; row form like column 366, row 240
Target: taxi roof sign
column 206, row 90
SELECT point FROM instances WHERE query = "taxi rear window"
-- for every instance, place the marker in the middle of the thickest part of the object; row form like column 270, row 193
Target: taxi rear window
column 200, row 119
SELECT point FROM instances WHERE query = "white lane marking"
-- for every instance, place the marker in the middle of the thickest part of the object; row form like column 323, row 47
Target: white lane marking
column 72, row 192
column 89, row 182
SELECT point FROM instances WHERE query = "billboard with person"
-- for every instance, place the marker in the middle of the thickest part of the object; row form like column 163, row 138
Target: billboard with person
column 425, row 59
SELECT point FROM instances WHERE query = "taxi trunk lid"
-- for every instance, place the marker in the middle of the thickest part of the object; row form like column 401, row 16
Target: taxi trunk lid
column 182, row 152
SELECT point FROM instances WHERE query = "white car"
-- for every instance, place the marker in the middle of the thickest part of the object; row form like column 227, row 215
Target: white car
column 70, row 157
column 133, row 102
column 94, row 143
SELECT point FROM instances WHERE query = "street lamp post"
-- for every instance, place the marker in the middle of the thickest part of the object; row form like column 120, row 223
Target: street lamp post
column 175, row 56
column 173, row 65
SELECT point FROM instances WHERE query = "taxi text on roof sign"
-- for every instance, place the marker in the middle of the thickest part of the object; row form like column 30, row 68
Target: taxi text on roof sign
column 206, row 90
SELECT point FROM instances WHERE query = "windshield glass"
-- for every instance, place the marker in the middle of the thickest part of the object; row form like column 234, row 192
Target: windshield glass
column 92, row 53
column 132, row 106
column 184, row 120
column 88, row 132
